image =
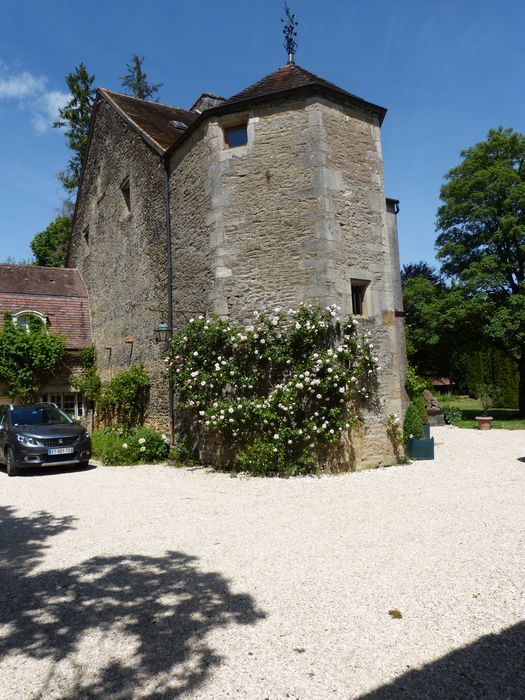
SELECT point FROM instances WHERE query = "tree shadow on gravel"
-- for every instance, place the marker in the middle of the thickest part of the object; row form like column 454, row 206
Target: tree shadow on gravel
column 123, row 627
column 492, row 668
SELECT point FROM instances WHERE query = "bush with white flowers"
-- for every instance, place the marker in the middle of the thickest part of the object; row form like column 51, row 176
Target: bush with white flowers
column 280, row 390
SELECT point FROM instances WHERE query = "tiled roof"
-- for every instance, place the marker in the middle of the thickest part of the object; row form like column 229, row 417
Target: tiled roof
column 57, row 293
column 153, row 120
column 284, row 78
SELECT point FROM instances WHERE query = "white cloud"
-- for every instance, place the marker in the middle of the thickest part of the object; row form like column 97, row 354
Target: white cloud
column 46, row 108
column 21, row 85
column 31, row 94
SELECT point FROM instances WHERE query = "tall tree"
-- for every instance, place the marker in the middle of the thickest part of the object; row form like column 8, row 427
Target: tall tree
column 421, row 269
column 482, row 236
column 75, row 117
column 135, row 81
column 50, row 245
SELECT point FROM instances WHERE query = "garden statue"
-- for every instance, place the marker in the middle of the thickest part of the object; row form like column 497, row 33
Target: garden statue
column 434, row 412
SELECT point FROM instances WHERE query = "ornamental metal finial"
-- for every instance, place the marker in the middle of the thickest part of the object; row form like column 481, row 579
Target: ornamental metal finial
column 289, row 33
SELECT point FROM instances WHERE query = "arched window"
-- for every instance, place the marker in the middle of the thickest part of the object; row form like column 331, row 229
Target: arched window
column 23, row 318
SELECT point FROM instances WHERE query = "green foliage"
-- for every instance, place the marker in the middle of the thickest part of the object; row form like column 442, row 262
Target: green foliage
column 482, row 239
column 279, row 392
column 421, row 270
column 135, row 81
column 412, row 426
column 50, row 246
column 493, row 367
column 27, row 357
column 125, row 398
column 452, row 415
column 395, row 434
column 416, row 415
column 88, row 382
column 76, row 117
column 119, row 446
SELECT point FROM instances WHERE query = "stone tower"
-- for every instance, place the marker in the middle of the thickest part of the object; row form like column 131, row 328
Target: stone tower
column 274, row 196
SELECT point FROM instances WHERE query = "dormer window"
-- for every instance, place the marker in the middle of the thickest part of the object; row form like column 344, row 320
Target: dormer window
column 235, row 136
column 25, row 319
column 126, row 194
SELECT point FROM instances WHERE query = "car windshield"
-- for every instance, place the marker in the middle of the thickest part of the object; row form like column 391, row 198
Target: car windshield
column 39, row 415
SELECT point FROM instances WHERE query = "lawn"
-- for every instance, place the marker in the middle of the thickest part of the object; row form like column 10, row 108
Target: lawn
column 506, row 418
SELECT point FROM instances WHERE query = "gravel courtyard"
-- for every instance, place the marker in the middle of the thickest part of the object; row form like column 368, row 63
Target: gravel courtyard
column 155, row 582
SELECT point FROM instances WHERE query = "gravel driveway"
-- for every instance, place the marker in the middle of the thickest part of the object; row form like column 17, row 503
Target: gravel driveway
column 155, row 582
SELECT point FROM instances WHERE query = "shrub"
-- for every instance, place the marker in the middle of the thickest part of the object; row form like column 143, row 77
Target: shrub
column 412, row 426
column 452, row 415
column 116, row 446
column 88, row 382
column 125, row 398
column 27, row 357
column 280, row 391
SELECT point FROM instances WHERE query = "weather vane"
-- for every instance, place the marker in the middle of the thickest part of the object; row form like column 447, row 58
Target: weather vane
column 289, row 33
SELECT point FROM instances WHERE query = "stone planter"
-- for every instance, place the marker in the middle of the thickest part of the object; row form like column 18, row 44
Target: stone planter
column 484, row 422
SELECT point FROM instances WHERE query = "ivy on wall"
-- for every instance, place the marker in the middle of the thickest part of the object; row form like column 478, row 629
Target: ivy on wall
column 27, row 357
column 279, row 391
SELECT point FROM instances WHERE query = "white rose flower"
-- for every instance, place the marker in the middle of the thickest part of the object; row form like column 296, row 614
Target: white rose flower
column 125, row 445
column 143, row 449
column 142, row 441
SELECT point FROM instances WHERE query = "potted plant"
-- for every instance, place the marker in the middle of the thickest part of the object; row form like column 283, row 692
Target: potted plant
column 486, row 396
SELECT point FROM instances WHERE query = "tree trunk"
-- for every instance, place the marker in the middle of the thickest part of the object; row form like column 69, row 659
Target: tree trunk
column 521, row 389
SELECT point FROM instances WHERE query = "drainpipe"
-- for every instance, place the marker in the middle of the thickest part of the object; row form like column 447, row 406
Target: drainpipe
column 169, row 273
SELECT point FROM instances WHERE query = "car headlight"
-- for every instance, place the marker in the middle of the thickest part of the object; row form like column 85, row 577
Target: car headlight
column 26, row 440
column 85, row 436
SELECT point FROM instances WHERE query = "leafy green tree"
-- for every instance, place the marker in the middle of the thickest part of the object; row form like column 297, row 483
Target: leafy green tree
column 76, row 117
column 27, row 357
column 421, row 269
column 482, row 237
column 135, row 81
column 50, row 245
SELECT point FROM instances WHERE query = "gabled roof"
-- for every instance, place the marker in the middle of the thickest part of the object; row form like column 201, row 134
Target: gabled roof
column 153, row 121
column 55, row 292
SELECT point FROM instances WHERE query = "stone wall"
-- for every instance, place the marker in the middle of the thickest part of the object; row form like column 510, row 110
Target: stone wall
column 121, row 253
column 293, row 216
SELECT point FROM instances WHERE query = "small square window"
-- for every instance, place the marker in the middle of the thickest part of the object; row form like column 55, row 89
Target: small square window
column 358, row 297
column 124, row 188
column 236, row 136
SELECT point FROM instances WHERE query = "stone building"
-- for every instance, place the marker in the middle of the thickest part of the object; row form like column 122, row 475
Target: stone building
column 57, row 297
column 272, row 196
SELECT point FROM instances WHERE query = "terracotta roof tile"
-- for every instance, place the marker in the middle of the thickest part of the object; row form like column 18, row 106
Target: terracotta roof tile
column 154, row 120
column 57, row 293
column 284, row 78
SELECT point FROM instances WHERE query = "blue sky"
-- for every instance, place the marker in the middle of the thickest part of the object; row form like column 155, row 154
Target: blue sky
column 446, row 70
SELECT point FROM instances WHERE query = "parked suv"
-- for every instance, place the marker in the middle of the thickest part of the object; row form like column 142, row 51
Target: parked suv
column 41, row 435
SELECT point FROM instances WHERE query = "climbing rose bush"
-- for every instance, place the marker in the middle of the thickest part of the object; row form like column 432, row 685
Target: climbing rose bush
column 280, row 390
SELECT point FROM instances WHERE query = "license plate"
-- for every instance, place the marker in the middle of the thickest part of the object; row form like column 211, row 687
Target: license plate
column 60, row 450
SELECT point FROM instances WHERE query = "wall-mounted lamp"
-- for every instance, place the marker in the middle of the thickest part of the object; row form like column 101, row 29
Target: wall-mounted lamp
column 162, row 332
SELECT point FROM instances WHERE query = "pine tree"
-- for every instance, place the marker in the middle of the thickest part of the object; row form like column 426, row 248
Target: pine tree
column 135, row 81
column 76, row 117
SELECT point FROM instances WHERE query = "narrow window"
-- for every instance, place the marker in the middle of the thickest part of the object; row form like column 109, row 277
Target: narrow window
column 85, row 233
column 358, row 297
column 124, row 188
column 235, row 136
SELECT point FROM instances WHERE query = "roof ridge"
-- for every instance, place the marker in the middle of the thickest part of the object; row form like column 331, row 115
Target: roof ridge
column 38, row 267
column 138, row 99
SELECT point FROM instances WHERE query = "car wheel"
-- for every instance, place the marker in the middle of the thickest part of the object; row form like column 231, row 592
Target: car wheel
column 12, row 469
